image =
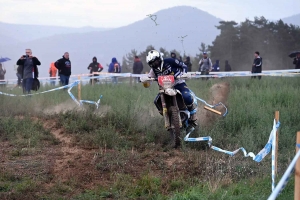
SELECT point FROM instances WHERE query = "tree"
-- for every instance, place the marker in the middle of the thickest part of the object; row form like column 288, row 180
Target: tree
column 237, row 43
column 143, row 56
column 165, row 52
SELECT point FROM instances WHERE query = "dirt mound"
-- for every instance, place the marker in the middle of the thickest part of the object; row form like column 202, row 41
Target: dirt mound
column 219, row 93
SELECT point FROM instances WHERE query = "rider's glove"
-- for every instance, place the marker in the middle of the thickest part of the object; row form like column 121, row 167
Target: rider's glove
column 185, row 75
column 144, row 79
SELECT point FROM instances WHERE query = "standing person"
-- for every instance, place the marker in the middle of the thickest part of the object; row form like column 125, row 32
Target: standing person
column 64, row 68
column 94, row 67
column 114, row 67
column 296, row 61
column 205, row 65
column 2, row 76
column 173, row 55
column 137, row 68
column 19, row 75
column 52, row 74
column 30, row 70
column 257, row 65
column 227, row 66
column 188, row 63
column 216, row 66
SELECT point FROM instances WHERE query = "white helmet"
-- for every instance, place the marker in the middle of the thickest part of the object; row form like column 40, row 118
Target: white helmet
column 155, row 59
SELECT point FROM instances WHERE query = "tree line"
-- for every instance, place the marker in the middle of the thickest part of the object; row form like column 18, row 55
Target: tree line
column 237, row 44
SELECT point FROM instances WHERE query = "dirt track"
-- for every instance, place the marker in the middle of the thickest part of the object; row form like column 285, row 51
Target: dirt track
column 89, row 168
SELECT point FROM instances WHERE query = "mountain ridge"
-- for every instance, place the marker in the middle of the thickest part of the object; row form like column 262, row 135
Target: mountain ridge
column 198, row 25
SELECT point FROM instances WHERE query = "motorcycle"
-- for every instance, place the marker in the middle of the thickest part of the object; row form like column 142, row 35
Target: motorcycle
column 172, row 107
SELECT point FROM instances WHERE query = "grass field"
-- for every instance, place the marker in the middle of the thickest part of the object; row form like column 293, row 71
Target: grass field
column 51, row 149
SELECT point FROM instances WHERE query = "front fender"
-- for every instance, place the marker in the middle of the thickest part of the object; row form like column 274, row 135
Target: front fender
column 170, row 92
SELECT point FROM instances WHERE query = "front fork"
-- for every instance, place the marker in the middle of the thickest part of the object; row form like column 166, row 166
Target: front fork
column 168, row 125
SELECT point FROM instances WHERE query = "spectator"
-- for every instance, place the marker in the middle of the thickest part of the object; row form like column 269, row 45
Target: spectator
column 173, row 55
column 19, row 75
column 30, row 70
column 95, row 67
column 257, row 65
column 205, row 65
column 64, row 68
column 114, row 67
column 137, row 67
column 2, row 76
column 227, row 66
column 188, row 63
column 52, row 74
column 216, row 67
column 296, row 61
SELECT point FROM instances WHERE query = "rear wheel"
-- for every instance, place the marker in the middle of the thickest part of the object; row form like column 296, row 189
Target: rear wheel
column 175, row 131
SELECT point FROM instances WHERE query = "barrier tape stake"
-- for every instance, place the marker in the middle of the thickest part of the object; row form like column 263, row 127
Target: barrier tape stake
column 276, row 150
column 130, row 80
column 79, row 89
column 93, row 79
column 297, row 171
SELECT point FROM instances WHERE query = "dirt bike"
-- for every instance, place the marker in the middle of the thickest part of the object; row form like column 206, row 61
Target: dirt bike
column 172, row 107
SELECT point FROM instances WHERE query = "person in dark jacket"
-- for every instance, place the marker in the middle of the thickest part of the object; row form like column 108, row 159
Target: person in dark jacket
column 137, row 67
column 2, row 76
column 257, row 65
column 64, row 68
column 114, row 67
column 30, row 70
column 296, row 61
column 227, row 66
column 216, row 66
column 173, row 55
column 95, row 67
column 188, row 63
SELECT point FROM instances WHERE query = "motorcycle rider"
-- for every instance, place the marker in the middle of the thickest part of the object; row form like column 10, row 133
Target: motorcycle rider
column 171, row 66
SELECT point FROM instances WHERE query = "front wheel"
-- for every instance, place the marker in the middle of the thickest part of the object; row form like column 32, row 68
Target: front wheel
column 175, row 123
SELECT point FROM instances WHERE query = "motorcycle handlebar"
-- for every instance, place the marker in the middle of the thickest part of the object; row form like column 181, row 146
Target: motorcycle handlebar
column 156, row 79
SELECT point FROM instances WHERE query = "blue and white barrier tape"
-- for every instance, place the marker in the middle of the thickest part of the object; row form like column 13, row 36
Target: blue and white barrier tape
column 289, row 72
column 258, row 158
column 273, row 158
column 70, row 86
column 285, row 178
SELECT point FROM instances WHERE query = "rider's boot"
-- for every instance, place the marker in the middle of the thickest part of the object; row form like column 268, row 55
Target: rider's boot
column 161, row 112
column 193, row 114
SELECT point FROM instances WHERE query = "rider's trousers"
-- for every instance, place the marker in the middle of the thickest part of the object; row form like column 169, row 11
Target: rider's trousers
column 187, row 95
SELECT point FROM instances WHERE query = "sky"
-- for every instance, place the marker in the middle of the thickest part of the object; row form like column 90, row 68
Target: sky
column 117, row 13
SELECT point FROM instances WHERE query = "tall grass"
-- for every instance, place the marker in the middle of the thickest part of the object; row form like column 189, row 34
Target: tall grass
column 127, row 119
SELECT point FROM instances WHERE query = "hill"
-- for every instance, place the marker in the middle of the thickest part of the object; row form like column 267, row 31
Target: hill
column 295, row 19
column 199, row 26
column 26, row 33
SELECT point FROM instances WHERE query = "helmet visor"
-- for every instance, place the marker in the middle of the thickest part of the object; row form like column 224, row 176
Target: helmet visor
column 155, row 63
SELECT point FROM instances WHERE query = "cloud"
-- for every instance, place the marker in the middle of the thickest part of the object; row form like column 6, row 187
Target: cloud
column 115, row 13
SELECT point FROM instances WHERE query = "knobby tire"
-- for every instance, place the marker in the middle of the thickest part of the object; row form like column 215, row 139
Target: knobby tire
column 175, row 120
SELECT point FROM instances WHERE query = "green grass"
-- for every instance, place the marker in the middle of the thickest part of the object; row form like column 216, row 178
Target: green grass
column 127, row 120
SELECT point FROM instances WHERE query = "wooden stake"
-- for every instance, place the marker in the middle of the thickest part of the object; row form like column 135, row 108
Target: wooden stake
column 79, row 89
column 93, row 79
column 297, row 171
column 277, row 133
column 130, row 79
column 212, row 110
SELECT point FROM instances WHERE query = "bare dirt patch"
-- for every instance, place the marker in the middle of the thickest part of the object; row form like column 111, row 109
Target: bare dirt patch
column 219, row 93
